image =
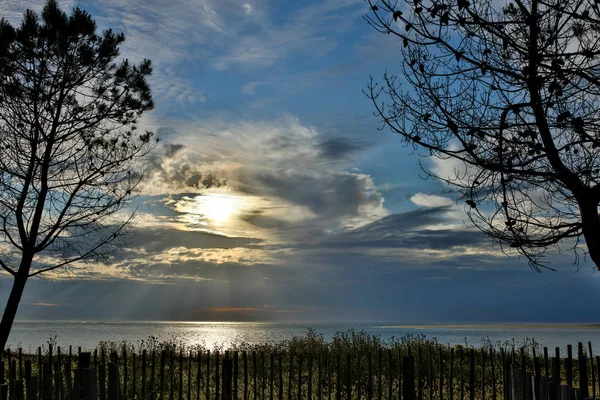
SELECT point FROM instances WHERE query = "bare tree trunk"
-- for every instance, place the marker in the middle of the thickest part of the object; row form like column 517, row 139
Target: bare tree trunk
column 14, row 298
column 591, row 229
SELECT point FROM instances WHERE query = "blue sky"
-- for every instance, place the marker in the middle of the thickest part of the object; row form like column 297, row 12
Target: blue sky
column 273, row 195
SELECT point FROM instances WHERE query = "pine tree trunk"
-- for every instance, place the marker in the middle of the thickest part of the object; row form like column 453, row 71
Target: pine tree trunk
column 12, row 304
column 591, row 229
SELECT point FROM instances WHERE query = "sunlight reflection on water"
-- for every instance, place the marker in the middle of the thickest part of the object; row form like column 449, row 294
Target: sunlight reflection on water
column 29, row 335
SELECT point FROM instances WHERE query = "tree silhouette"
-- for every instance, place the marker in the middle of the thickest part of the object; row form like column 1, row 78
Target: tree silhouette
column 68, row 143
column 511, row 96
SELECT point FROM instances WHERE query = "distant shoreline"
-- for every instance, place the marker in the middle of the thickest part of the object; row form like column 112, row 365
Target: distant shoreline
column 495, row 326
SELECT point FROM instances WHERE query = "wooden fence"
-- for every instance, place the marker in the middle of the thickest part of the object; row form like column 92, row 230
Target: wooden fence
column 413, row 373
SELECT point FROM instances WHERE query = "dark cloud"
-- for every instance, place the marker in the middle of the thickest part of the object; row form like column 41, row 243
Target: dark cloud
column 172, row 149
column 173, row 170
column 333, row 195
column 340, row 147
column 405, row 230
column 156, row 240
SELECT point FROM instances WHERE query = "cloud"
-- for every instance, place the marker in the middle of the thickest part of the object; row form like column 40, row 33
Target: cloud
column 168, row 87
column 271, row 172
column 341, row 147
column 173, row 169
column 249, row 87
column 40, row 304
column 430, row 200
column 13, row 10
column 304, row 33
column 157, row 240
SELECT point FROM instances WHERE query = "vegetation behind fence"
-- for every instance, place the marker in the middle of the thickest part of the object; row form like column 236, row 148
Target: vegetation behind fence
column 354, row 366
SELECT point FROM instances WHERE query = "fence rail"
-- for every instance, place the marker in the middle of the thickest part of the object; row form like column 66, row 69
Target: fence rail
column 411, row 373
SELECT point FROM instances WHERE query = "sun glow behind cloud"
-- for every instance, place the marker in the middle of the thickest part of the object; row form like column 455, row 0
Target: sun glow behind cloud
column 219, row 208
column 220, row 212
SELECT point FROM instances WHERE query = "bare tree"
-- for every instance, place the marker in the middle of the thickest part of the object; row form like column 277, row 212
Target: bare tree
column 509, row 91
column 68, row 142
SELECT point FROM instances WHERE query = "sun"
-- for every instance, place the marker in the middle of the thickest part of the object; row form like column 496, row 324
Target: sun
column 218, row 208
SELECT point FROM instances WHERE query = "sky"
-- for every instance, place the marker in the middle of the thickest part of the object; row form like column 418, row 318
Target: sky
column 274, row 194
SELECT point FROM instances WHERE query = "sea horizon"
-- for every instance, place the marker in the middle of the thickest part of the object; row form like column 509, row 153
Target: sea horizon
column 30, row 334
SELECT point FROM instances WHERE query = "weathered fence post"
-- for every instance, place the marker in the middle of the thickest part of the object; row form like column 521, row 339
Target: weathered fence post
column 505, row 379
column 536, row 376
column 4, row 391
column 217, row 380
column 369, row 375
column 28, row 377
column 546, row 364
column 21, row 362
column 338, row 377
column 493, row 372
column 32, row 391
column 300, row 376
column 389, row 377
column 583, row 375
column 46, row 382
column 482, row 373
column 245, row 360
column 419, row 373
column 198, row 374
column 86, row 391
column 290, row 376
column 379, row 379
column 310, row 373
column 451, row 376
column 408, row 378
column 113, row 381
column 515, row 393
column 556, row 374
column 19, row 392
column 226, row 376
column 102, row 377
column 161, row 379
column 430, row 372
column 441, row 367
column 569, row 366
column 471, row 374
column 592, row 370
column 523, row 374
column 190, row 356
column 399, row 373
column 348, row 377
column 208, row 375
column 280, row 363
column 235, row 374
column 152, row 376
column 462, row 381
column 254, row 376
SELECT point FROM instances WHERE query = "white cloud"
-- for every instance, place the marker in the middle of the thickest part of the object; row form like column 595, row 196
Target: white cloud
column 430, row 200
column 276, row 168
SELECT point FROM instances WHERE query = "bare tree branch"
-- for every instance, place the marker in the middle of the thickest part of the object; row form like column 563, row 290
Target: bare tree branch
column 513, row 94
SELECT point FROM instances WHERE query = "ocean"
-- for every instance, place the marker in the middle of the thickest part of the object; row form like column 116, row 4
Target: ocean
column 30, row 334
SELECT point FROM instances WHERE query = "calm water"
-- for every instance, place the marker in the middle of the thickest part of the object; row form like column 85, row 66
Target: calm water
column 87, row 334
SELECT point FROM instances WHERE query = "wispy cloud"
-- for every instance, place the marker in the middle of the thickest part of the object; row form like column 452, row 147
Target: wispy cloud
column 40, row 304
column 304, row 34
